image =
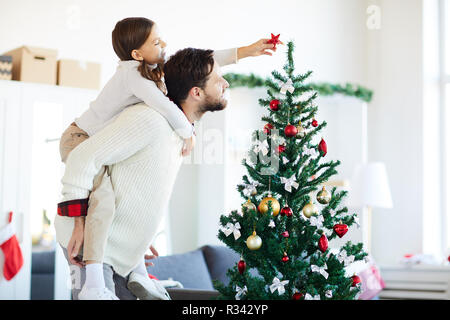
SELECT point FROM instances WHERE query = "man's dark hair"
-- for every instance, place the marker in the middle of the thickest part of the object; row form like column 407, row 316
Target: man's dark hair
column 186, row 69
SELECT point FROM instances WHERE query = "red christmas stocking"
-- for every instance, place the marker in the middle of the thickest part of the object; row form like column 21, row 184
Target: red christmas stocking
column 11, row 250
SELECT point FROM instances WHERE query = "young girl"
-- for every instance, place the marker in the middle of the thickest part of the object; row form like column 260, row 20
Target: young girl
column 139, row 77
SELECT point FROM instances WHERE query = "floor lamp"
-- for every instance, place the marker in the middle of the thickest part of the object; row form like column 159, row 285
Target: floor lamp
column 370, row 189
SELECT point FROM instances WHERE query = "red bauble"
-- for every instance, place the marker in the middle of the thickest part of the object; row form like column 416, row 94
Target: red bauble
column 285, row 258
column 290, row 130
column 267, row 128
column 286, row 211
column 281, row 148
column 314, row 123
column 285, row 234
column 241, row 266
column 340, row 229
column 274, row 104
column 323, row 243
column 323, row 147
column 356, row 280
column 297, row 296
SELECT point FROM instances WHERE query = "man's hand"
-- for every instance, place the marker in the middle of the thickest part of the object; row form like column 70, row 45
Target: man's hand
column 258, row 48
column 189, row 144
column 76, row 241
column 153, row 256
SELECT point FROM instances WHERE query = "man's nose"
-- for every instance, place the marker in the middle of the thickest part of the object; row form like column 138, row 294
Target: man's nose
column 226, row 84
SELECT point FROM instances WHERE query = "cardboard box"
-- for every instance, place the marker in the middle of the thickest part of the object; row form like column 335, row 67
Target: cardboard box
column 73, row 73
column 5, row 67
column 34, row 64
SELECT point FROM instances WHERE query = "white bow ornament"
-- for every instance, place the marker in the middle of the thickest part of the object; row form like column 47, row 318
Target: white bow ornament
column 232, row 229
column 289, row 183
column 262, row 146
column 287, row 86
column 240, row 292
column 278, row 285
column 320, row 270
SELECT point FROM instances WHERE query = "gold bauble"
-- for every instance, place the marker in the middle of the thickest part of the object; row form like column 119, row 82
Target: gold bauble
column 249, row 205
column 309, row 210
column 254, row 242
column 323, row 197
column 301, row 132
column 264, row 205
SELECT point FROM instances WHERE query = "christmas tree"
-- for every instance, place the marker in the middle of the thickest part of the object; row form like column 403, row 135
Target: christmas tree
column 284, row 250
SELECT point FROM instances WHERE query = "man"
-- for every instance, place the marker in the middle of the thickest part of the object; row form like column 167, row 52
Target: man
column 144, row 157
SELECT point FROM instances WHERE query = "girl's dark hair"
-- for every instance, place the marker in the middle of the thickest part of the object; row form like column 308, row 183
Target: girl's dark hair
column 130, row 34
column 186, row 69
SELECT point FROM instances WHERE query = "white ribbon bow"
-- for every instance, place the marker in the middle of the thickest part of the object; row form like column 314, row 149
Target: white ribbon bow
column 285, row 160
column 311, row 151
column 277, row 139
column 320, row 270
column 289, row 183
column 309, row 297
column 249, row 189
column 240, row 292
column 272, row 224
column 316, row 221
column 262, row 146
column 287, row 86
column 278, row 285
column 232, row 229
column 343, row 257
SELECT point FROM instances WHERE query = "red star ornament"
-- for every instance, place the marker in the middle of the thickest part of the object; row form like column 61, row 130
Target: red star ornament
column 274, row 40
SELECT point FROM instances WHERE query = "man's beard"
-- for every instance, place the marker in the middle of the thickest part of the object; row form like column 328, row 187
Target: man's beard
column 212, row 105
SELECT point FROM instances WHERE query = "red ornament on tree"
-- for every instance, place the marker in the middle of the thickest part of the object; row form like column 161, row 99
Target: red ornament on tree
column 286, row 211
column 274, row 104
column 281, row 148
column 356, row 280
column 267, row 128
column 323, row 147
column 285, row 234
column 290, row 131
column 297, row 296
column 323, row 243
column 285, row 257
column 340, row 229
column 241, row 266
column 314, row 123
column 274, row 40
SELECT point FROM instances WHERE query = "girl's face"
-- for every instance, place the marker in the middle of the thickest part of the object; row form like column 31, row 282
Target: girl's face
column 152, row 51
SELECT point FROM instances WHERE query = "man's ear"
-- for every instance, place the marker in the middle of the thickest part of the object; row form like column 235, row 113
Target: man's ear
column 137, row 55
column 195, row 93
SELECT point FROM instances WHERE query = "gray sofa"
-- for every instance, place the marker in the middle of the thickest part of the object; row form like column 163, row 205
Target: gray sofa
column 195, row 270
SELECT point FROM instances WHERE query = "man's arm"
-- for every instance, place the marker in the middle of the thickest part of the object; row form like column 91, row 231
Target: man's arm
column 130, row 132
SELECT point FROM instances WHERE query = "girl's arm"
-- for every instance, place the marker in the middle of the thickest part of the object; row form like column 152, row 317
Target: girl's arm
column 147, row 91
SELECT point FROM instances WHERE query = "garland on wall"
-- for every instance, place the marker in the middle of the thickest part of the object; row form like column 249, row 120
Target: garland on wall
column 323, row 88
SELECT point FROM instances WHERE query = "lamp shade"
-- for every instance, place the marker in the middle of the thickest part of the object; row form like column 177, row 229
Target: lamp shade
column 370, row 186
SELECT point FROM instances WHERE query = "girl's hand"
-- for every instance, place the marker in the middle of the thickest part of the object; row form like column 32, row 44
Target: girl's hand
column 189, row 144
column 76, row 241
column 153, row 256
column 258, row 48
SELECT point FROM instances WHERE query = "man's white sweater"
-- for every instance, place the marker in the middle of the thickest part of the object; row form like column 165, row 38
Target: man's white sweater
column 145, row 154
